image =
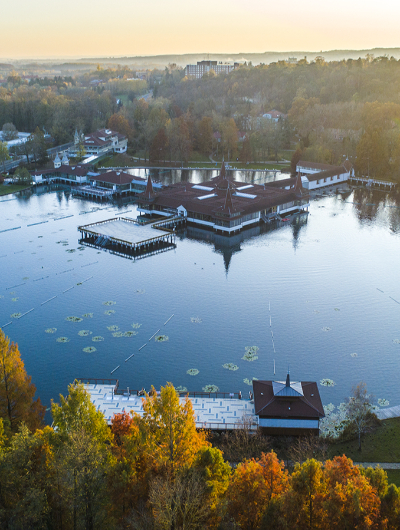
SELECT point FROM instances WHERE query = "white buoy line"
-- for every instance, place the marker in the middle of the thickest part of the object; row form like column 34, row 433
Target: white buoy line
column 45, row 302
column 116, row 368
column 18, row 285
column 154, row 334
column 167, row 320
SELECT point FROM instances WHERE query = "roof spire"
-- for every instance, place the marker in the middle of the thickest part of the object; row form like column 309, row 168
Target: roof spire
column 223, row 172
column 288, row 378
column 228, row 200
column 149, row 192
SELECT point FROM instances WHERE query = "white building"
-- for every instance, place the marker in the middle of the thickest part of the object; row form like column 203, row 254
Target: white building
column 102, row 141
column 203, row 67
column 315, row 175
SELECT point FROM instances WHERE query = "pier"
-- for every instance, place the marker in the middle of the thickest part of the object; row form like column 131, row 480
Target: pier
column 376, row 183
column 127, row 237
column 218, row 411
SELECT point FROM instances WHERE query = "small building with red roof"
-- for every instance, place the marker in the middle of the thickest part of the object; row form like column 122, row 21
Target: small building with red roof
column 288, row 407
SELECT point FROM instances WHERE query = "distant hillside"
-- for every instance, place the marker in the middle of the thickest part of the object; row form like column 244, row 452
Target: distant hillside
column 160, row 61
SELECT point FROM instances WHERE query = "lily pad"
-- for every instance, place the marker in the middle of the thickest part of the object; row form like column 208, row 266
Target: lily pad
column 50, row 330
column 15, row 299
column 210, row 388
column 62, row 339
column 136, row 326
column 325, row 328
column 140, row 291
column 250, row 353
column 84, row 332
column 383, row 402
column 109, row 302
column 118, row 334
column 109, row 312
column 74, row 319
column 193, row 371
column 113, row 328
column 88, row 315
column 15, row 315
column 161, row 338
column 249, row 381
column 336, row 309
column 353, row 354
column 196, row 320
column 97, row 338
column 181, row 389
column 327, row 382
column 89, row 349
column 130, row 333
column 396, row 341
column 231, row 366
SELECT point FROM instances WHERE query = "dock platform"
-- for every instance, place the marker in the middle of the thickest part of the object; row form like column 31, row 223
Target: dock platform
column 127, row 237
column 215, row 413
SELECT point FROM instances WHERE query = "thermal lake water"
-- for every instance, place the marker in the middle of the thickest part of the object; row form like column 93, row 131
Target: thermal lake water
column 309, row 295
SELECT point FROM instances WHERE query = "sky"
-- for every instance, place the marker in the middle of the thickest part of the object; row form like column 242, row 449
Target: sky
column 102, row 28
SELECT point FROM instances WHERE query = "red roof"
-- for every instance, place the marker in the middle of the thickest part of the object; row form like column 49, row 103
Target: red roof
column 114, row 177
column 270, row 405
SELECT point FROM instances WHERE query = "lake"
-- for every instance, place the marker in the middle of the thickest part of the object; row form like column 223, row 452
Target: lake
column 321, row 296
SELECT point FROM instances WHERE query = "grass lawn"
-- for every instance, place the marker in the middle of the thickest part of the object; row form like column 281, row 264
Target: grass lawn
column 393, row 476
column 381, row 445
column 118, row 160
column 5, row 189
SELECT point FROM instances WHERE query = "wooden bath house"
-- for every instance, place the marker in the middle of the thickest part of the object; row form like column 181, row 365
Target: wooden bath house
column 288, row 407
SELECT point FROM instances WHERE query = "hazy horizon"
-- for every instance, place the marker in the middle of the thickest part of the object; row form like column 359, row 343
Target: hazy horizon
column 38, row 31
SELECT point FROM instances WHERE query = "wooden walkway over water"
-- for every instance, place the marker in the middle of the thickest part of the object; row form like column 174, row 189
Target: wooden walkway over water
column 373, row 182
column 390, row 412
column 211, row 412
column 126, row 236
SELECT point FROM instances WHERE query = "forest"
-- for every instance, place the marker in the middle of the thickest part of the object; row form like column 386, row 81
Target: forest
column 157, row 471
column 335, row 110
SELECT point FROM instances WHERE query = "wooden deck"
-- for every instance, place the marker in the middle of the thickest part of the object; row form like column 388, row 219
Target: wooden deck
column 126, row 236
column 215, row 413
column 390, row 412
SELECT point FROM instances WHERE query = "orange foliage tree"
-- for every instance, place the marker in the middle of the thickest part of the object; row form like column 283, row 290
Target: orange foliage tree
column 16, row 389
column 253, row 486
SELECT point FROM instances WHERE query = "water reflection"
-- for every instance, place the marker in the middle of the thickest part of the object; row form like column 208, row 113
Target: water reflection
column 197, row 176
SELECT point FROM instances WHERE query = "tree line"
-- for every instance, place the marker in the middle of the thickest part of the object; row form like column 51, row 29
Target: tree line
column 157, row 471
column 335, row 110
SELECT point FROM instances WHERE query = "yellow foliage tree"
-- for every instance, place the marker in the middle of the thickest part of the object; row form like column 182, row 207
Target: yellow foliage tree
column 16, row 389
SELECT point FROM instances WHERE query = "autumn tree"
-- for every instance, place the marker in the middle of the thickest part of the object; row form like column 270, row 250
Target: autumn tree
column 117, row 122
column 81, row 461
column 23, row 499
column 204, row 135
column 245, row 153
column 16, row 389
column 229, row 133
column 179, row 139
column 303, row 502
column 351, row 501
column 253, row 486
column 158, row 148
column 167, row 430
